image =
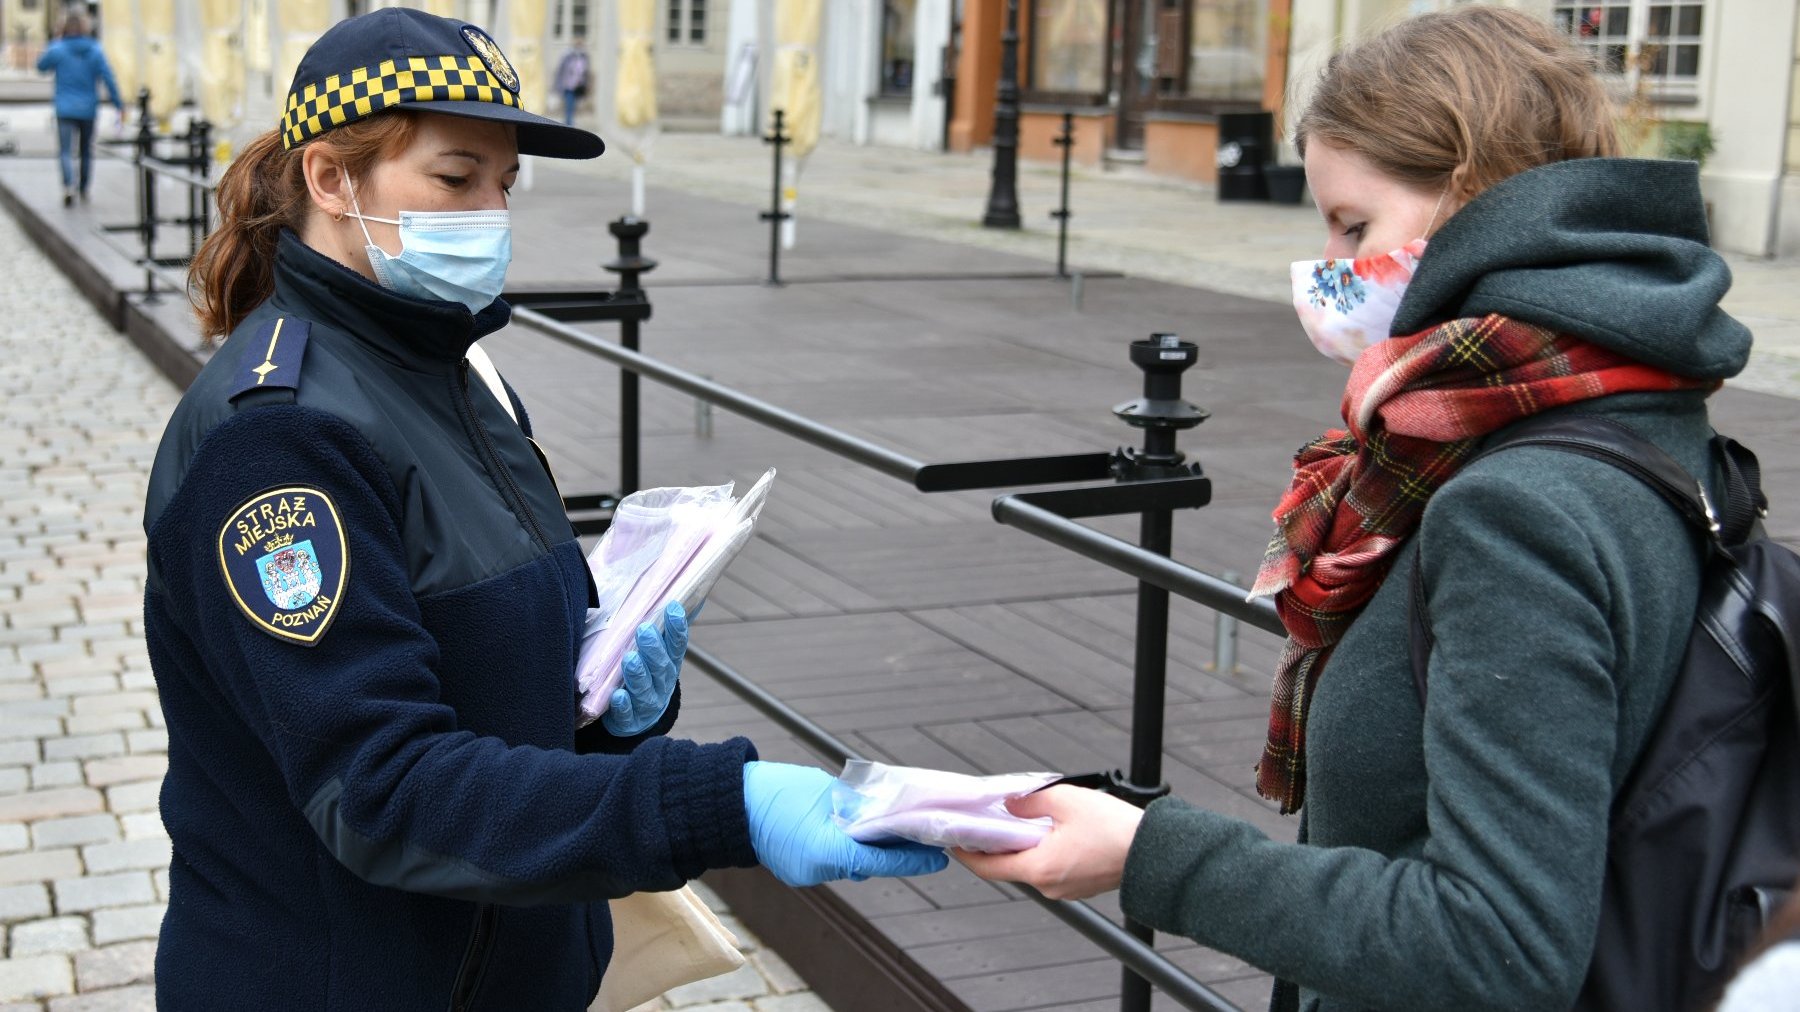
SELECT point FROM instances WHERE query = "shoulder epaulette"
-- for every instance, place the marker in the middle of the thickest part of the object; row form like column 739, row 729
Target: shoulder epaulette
column 272, row 360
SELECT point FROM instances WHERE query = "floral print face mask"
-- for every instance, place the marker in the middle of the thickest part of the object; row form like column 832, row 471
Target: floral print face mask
column 1347, row 305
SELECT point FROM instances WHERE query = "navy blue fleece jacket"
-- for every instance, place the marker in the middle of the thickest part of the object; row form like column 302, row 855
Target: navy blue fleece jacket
column 376, row 794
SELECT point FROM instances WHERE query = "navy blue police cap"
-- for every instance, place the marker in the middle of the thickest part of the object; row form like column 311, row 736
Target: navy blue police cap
column 397, row 56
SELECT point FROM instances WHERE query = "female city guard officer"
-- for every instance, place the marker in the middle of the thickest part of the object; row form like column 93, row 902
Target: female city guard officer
column 364, row 600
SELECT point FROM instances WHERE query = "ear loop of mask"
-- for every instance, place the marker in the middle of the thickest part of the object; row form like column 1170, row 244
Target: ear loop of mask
column 363, row 219
column 1426, row 235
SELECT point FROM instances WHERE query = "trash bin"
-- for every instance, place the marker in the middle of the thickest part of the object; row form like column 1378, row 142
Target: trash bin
column 1287, row 183
column 1246, row 141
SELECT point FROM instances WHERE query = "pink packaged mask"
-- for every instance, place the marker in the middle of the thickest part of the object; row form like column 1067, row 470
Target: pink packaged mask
column 874, row 802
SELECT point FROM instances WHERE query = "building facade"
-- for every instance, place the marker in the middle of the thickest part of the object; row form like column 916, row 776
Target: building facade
column 1149, row 82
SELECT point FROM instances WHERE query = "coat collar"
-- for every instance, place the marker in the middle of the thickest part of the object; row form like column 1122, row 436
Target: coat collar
column 417, row 333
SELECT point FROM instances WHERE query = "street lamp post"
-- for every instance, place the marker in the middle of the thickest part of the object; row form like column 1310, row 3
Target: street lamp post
column 1003, row 195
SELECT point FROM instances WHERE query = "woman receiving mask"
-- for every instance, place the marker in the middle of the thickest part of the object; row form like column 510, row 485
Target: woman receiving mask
column 365, row 602
column 1487, row 260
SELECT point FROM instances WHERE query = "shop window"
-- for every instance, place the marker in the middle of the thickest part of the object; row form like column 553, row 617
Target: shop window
column 1228, row 45
column 1641, row 43
column 1182, row 55
column 897, row 46
column 1068, row 51
column 687, row 22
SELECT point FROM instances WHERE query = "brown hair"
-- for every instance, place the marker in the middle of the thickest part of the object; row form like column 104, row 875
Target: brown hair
column 1462, row 98
column 263, row 192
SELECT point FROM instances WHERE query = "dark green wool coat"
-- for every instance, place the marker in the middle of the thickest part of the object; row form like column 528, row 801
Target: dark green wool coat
column 1455, row 854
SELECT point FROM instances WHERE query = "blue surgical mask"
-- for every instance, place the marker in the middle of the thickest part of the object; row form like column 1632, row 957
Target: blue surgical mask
column 452, row 256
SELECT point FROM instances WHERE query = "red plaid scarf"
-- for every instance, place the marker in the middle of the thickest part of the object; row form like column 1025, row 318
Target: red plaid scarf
column 1416, row 407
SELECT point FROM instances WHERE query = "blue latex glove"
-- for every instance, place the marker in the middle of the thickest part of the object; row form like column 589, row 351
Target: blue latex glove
column 794, row 837
column 650, row 674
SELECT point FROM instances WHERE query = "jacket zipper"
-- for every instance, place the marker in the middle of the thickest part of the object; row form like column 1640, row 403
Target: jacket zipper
column 481, row 940
column 508, row 485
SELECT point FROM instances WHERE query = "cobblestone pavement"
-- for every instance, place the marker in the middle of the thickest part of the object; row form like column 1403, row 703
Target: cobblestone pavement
column 83, row 853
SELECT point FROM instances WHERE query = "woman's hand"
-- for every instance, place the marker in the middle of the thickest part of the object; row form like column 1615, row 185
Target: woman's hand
column 650, row 673
column 1083, row 856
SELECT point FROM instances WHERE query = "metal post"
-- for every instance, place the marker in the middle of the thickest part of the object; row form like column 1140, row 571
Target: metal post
column 775, row 215
column 1003, row 194
column 630, row 264
column 1225, row 635
column 146, row 140
column 1066, row 141
column 204, row 171
column 193, row 192
column 1161, row 413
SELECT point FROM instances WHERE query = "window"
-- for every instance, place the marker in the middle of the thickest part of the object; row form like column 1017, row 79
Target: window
column 897, row 46
column 1641, row 43
column 1068, row 42
column 571, row 20
column 1228, row 43
column 687, row 22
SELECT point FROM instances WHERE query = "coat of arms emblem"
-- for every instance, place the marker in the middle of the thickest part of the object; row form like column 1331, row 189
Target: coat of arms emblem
column 291, row 576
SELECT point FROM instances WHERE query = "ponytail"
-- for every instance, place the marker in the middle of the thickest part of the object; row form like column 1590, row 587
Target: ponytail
column 261, row 194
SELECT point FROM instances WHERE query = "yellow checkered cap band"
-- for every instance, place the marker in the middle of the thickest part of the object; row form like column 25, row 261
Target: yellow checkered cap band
column 341, row 98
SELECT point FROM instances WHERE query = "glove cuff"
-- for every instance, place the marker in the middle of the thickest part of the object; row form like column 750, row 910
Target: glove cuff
column 703, row 803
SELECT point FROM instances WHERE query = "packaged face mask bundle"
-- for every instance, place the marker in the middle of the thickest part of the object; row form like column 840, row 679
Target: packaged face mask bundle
column 665, row 544
column 874, row 802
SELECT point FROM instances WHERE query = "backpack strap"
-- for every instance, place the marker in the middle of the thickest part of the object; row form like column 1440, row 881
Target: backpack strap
column 1610, row 442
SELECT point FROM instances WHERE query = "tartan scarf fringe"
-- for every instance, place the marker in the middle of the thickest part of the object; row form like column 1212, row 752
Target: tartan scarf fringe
column 1415, row 408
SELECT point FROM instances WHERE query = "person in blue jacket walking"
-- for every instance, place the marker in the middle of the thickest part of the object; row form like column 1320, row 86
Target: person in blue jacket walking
column 81, row 68
column 364, row 601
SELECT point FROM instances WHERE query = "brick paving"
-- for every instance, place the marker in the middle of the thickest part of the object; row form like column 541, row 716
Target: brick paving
column 83, row 853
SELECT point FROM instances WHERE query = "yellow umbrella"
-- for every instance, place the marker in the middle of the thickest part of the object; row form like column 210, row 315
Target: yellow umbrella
column 525, row 48
column 302, row 22
column 256, row 38
column 221, row 60
column 795, row 91
column 634, row 89
column 795, row 86
column 634, row 96
column 161, row 71
column 118, row 37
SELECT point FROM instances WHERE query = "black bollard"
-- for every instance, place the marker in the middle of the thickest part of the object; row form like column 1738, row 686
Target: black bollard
column 192, row 164
column 203, row 169
column 1161, row 413
column 146, row 142
column 1066, row 141
column 630, row 264
column 775, row 215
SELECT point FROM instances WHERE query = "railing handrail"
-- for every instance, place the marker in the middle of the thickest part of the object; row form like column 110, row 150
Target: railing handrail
column 1090, row 923
column 1183, row 580
column 889, row 462
column 163, row 168
column 159, row 165
column 1172, row 576
column 1160, row 570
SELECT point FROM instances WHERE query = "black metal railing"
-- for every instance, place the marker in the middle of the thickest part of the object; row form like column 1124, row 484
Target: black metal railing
column 1149, row 964
column 189, row 165
column 1153, row 482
